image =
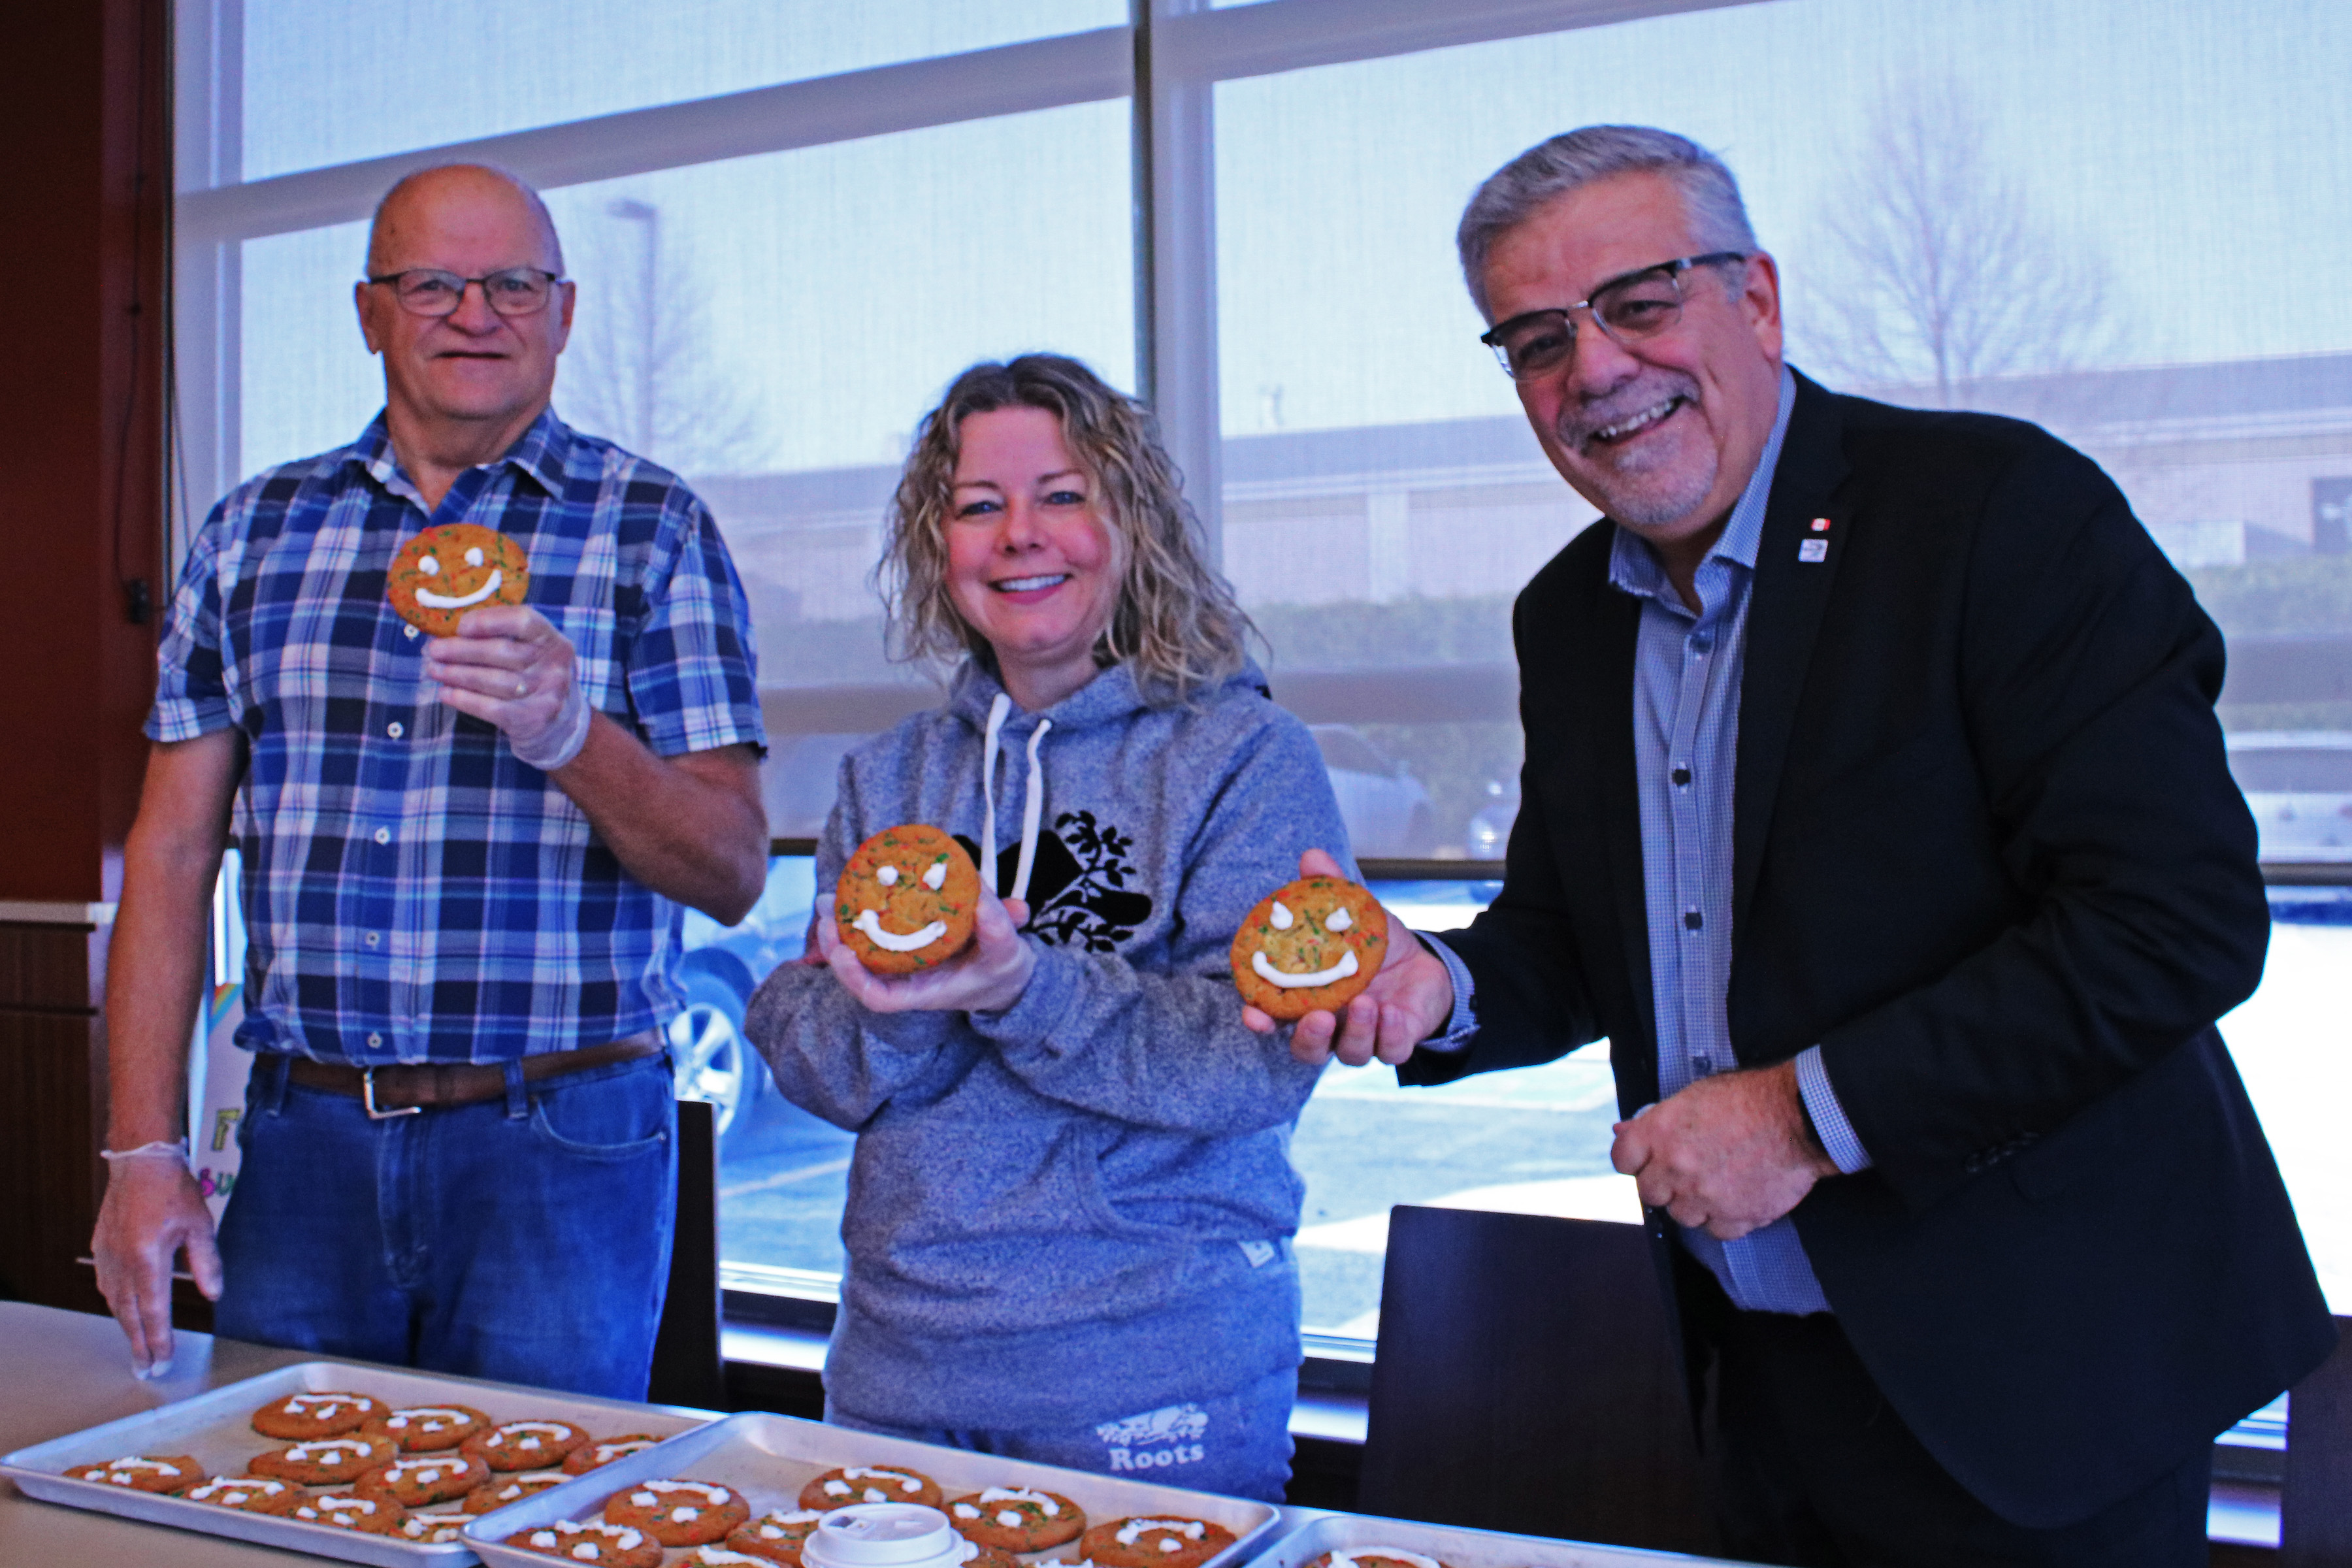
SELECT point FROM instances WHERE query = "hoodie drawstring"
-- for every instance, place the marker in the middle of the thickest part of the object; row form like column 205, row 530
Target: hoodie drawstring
column 1033, row 804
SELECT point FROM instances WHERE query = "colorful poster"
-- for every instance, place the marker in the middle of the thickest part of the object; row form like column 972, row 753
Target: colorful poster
column 216, row 1067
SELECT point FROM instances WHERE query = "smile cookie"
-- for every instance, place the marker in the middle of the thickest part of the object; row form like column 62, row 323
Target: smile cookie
column 143, row 1472
column 869, row 1483
column 525, row 1445
column 1375, row 1557
column 678, row 1513
column 326, row 1461
column 434, row 1478
column 1016, row 1519
column 1310, row 946
column 906, row 900
column 594, row 1455
column 247, row 1494
column 347, row 1510
column 430, row 1526
column 777, row 1536
column 324, row 1415
column 500, row 1490
column 428, row 1428
column 447, row 570
column 616, row 1545
column 1154, row 1543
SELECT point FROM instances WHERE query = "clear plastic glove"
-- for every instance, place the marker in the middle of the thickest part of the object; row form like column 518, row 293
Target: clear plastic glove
column 510, row 667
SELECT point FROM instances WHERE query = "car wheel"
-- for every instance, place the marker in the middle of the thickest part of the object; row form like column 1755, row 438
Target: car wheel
column 713, row 1062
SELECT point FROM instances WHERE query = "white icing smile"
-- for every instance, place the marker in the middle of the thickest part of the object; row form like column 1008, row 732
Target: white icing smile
column 432, row 601
column 870, row 923
column 1268, row 973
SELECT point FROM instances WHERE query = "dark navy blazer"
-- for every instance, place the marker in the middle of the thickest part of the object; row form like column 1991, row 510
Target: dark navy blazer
column 1986, row 851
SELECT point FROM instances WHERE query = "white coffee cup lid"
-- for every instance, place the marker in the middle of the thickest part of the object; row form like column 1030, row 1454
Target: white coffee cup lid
column 883, row 1535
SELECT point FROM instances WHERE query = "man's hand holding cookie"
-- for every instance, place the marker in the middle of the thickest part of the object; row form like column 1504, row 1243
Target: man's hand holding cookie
column 510, row 667
column 1408, row 1001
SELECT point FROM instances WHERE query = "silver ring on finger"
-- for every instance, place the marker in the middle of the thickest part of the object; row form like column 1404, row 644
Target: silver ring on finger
column 522, row 688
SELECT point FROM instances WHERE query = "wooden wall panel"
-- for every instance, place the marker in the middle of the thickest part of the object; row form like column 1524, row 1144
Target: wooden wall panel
column 48, row 968
column 49, row 1165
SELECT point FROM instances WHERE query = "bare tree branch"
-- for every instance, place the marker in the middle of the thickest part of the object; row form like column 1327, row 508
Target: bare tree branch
column 1939, row 272
column 640, row 369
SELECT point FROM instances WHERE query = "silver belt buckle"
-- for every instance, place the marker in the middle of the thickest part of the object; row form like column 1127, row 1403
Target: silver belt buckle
column 367, row 1097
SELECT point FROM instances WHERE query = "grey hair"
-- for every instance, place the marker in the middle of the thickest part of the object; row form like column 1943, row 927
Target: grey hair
column 1549, row 170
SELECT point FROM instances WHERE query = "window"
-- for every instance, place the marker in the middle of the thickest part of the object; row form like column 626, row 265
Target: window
column 792, row 223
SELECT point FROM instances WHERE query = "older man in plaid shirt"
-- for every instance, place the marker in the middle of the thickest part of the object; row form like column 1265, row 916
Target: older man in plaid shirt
column 464, row 857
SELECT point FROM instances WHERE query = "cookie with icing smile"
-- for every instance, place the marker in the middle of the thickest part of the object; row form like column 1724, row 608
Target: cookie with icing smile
column 906, row 900
column 1311, row 946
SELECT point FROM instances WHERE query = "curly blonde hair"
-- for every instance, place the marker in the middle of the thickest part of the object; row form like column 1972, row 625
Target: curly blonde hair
column 1176, row 623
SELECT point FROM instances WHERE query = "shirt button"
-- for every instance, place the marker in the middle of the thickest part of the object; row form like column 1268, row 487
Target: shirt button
column 373, row 938
column 1702, row 641
column 383, row 835
column 375, row 1042
column 1681, row 775
column 1693, row 919
column 411, row 631
column 394, row 730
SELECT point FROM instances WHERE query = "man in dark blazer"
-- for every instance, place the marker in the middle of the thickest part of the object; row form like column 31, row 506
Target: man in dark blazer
column 1875, row 812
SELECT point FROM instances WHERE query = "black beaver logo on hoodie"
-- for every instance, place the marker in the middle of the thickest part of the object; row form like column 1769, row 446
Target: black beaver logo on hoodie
column 1078, row 895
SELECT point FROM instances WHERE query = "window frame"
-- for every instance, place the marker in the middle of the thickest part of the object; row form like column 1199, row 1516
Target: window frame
column 1167, row 60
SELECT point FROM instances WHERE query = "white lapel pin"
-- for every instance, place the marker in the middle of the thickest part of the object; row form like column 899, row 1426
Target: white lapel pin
column 1813, row 550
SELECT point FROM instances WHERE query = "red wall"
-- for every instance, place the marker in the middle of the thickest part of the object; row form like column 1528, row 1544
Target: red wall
column 75, row 674
column 84, row 119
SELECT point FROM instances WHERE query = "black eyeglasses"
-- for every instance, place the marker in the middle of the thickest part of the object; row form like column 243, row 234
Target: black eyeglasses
column 429, row 291
column 1637, row 306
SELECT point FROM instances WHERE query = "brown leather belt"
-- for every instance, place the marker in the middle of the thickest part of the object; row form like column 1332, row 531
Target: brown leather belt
column 405, row 1089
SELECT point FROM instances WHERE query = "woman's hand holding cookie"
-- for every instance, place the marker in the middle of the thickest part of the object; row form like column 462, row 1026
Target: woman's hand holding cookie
column 510, row 667
column 1408, row 1001
column 986, row 978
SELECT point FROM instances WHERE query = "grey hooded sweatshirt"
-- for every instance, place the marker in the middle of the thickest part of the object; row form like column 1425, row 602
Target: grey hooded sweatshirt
column 1081, row 1207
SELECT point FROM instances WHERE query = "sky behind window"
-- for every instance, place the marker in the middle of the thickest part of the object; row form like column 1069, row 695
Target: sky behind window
column 2189, row 152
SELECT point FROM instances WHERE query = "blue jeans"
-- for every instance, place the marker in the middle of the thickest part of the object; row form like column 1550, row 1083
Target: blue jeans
column 1237, row 1445
column 525, row 1239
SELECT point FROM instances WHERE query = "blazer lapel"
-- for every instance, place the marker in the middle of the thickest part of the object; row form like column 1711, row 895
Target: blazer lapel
column 1796, row 566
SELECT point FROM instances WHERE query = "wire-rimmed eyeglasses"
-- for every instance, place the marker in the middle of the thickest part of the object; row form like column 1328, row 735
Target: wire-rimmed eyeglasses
column 1630, row 308
column 513, row 291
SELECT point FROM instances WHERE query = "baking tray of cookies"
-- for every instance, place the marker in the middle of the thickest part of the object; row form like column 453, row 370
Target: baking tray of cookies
column 1360, row 1536
column 215, row 1428
column 769, row 1458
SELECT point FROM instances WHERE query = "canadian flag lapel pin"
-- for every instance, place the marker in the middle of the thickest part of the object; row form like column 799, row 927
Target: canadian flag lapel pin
column 1815, row 547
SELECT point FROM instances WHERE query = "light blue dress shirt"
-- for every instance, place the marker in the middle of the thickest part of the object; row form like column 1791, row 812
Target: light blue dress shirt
column 1687, row 680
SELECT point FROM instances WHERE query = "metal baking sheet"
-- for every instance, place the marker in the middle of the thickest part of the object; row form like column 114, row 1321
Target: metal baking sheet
column 769, row 1458
column 216, row 1427
column 1453, row 1545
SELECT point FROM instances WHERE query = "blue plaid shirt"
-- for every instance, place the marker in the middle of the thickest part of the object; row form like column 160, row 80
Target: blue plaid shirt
column 413, row 891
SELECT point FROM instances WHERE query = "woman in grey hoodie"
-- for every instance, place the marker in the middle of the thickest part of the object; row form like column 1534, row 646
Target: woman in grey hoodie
column 1072, row 1201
